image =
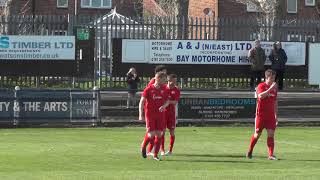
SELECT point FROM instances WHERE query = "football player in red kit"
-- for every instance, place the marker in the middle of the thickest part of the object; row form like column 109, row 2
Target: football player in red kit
column 266, row 113
column 159, row 68
column 170, row 114
column 153, row 102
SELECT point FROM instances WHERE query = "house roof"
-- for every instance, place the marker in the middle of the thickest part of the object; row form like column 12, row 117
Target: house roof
column 116, row 20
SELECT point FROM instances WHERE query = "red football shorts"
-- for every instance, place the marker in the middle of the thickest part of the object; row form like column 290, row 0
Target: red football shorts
column 170, row 121
column 261, row 123
column 155, row 124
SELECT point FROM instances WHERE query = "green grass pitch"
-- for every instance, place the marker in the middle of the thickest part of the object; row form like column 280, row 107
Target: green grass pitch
column 114, row 153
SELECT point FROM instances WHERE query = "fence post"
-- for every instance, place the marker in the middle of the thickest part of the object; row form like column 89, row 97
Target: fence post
column 217, row 84
column 96, row 105
column 16, row 107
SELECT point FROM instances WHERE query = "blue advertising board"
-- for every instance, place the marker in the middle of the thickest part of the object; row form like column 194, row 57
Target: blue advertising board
column 217, row 108
column 48, row 106
column 6, row 105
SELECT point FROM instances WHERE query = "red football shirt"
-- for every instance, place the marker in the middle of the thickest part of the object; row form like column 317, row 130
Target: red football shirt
column 265, row 107
column 155, row 98
column 173, row 95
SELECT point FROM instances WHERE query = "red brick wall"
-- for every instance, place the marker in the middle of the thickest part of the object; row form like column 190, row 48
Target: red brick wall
column 196, row 7
column 304, row 12
column 232, row 9
column 49, row 7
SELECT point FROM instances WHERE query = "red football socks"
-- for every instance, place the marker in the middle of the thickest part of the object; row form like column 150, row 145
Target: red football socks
column 172, row 138
column 157, row 143
column 253, row 142
column 162, row 143
column 150, row 147
column 270, row 143
column 145, row 142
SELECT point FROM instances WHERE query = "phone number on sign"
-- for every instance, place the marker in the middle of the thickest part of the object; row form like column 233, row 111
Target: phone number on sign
column 161, row 59
column 218, row 116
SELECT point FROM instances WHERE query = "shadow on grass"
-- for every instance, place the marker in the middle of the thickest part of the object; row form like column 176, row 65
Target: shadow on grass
column 217, row 155
column 209, row 161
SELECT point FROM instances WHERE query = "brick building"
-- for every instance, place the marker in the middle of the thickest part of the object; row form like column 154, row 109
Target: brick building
column 80, row 7
column 234, row 15
column 289, row 9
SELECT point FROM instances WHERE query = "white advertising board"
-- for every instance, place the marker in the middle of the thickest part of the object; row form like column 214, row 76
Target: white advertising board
column 202, row 52
column 37, row 48
column 314, row 64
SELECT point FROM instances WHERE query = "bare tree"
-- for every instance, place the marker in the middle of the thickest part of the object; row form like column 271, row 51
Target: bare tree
column 268, row 12
column 20, row 18
column 178, row 10
column 4, row 9
column 5, row 12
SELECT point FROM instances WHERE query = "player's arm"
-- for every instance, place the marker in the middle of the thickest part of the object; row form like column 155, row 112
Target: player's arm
column 164, row 106
column 176, row 99
column 141, row 106
column 174, row 102
column 266, row 93
column 250, row 54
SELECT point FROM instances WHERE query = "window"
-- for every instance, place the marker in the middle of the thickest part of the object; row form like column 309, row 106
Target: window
column 60, row 32
column 294, row 37
column 252, row 7
column 301, row 38
column 310, row 38
column 292, row 6
column 62, row 3
column 96, row 3
column 2, row 3
column 310, row 2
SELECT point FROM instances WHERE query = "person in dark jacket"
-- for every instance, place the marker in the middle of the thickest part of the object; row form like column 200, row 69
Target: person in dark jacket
column 278, row 58
column 257, row 57
column 132, row 80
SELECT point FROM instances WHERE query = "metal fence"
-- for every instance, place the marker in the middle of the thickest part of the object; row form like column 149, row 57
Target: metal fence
column 114, row 25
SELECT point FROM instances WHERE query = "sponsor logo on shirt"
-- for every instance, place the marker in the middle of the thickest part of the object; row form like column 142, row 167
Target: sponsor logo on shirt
column 156, row 97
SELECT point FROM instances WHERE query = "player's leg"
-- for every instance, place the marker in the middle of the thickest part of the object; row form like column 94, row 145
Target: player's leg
column 157, row 143
column 147, row 138
column 253, row 141
column 172, row 139
column 150, row 147
column 270, row 144
column 163, row 126
column 162, row 143
column 255, row 137
column 171, row 126
column 150, row 126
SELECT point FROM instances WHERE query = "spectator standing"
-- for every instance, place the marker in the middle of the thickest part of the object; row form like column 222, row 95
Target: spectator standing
column 278, row 58
column 132, row 80
column 257, row 58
